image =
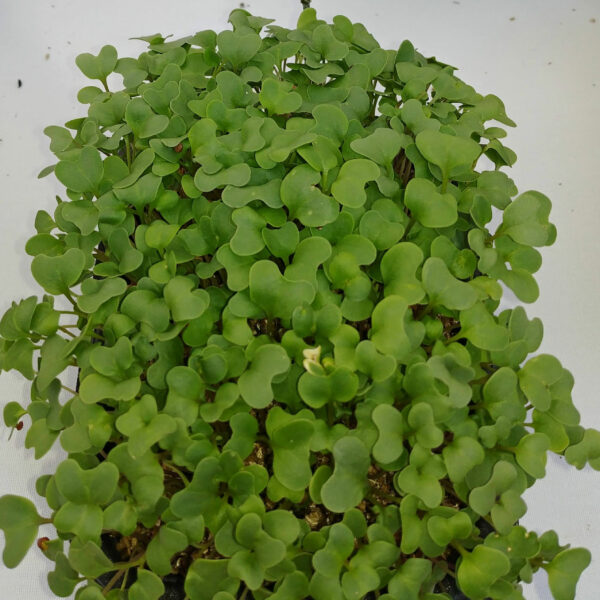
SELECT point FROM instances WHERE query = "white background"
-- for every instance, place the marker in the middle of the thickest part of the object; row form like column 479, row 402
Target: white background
column 541, row 57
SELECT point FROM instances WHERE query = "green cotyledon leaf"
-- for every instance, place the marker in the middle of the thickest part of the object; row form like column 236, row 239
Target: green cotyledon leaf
column 57, row 274
column 19, row 520
column 98, row 67
column 319, row 388
column 480, row 569
column 453, row 155
column 276, row 96
column 148, row 586
column 81, row 172
column 275, row 293
column 304, row 200
column 525, row 220
column 290, row 437
column 346, row 486
column 399, row 271
column 255, row 383
column 393, row 331
column 428, row 206
column 381, row 146
column 564, row 571
column 348, row 188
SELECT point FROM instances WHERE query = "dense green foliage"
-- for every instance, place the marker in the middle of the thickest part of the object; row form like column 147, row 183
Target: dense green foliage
column 284, row 260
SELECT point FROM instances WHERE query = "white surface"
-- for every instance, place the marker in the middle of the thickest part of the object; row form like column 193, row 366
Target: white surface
column 544, row 63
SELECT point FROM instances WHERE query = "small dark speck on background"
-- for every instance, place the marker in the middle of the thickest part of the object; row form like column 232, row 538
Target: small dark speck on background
column 560, row 183
column 513, row 19
column 19, row 83
column 549, row 62
column 455, row 2
column 47, row 55
column 592, row 20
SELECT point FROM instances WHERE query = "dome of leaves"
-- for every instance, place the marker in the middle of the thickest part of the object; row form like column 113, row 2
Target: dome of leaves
column 285, row 257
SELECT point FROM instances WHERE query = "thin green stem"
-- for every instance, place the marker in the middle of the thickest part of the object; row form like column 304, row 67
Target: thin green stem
column 127, row 150
column 217, row 69
column 507, row 448
column 244, row 594
column 459, row 548
column 65, row 330
column 380, row 496
column 481, row 380
column 409, row 227
column 68, row 389
column 111, row 584
column 173, row 468
column 446, row 569
column 324, row 187
column 330, row 414
column 136, row 562
column 124, row 582
column 69, row 296
column 488, row 520
column 495, row 235
column 454, row 338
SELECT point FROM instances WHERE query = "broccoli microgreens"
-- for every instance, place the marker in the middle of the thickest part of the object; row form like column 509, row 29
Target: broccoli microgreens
column 294, row 379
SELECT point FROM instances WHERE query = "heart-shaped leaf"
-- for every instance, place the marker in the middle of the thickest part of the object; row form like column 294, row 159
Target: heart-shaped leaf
column 255, row 384
column 305, row 201
column 393, row 330
column 19, row 521
column 348, row 188
column 480, row 569
column 148, row 586
column 274, row 293
column 56, row 274
column 346, row 486
column 98, row 67
column 525, row 220
column 453, row 155
column 564, row 571
column 428, row 206
column 381, row 146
